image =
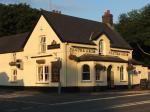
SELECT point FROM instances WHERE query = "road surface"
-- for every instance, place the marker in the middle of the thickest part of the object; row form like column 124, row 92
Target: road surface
column 30, row 101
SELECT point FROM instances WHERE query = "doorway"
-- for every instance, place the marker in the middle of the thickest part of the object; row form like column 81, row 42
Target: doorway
column 110, row 77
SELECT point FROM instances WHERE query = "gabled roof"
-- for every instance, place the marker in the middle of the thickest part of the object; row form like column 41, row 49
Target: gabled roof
column 69, row 29
column 14, row 43
column 78, row 30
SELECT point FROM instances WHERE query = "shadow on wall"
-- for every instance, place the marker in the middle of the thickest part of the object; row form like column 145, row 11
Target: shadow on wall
column 7, row 82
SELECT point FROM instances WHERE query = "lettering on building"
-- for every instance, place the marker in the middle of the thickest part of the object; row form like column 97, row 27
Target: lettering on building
column 76, row 49
column 119, row 53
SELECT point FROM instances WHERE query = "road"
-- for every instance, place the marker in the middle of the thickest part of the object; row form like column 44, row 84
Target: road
column 30, row 101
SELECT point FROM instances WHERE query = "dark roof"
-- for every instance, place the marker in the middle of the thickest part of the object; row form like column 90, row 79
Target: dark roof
column 135, row 62
column 78, row 30
column 13, row 43
column 69, row 29
column 95, row 57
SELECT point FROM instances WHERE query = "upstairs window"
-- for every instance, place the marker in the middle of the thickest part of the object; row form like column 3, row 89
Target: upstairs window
column 42, row 44
column 101, row 47
column 85, row 72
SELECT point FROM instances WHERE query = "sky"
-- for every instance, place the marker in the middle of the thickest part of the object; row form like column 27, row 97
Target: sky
column 89, row 9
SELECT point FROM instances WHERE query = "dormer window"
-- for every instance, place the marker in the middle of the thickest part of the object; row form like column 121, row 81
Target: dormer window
column 101, row 47
column 42, row 44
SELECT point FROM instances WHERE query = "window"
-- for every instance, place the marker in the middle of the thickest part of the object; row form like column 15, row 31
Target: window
column 121, row 73
column 97, row 74
column 14, row 75
column 101, row 47
column 42, row 44
column 85, row 72
column 43, row 74
column 55, row 71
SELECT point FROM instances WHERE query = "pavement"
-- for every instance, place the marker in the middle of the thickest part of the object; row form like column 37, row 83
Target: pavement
column 110, row 101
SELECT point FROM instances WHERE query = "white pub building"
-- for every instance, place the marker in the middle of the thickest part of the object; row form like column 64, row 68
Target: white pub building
column 72, row 52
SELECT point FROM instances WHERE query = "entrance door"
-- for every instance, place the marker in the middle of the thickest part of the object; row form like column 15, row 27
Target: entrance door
column 110, row 77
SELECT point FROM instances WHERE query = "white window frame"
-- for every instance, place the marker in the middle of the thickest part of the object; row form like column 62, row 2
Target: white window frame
column 86, row 72
column 42, row 45
column 44, row 73
column 100, row 75
column 101, row 46
column 122, row 73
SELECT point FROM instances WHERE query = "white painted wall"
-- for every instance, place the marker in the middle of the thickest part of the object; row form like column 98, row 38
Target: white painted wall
column 71, row 71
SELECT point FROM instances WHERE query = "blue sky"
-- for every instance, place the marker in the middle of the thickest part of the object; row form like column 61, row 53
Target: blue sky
column 90, row 9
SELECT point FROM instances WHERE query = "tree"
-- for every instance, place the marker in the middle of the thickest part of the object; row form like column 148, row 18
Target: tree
column 134, row 26
column 17, row 18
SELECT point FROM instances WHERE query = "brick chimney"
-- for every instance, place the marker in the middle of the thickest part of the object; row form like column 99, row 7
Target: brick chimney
column 107, row 18
column 56, row 12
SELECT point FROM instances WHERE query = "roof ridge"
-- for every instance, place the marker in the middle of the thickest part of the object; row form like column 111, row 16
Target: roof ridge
column 42, row 12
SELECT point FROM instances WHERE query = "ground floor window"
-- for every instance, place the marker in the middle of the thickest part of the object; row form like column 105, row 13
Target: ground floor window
column 43, row 73
column 122, row 77
column 85, row 72
column 14, row 75
column 97, row 74
column 55, row 71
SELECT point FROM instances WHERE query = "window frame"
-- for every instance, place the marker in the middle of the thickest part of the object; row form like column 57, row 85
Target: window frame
column 42, row 44
column 14, row 76
column 86, row 72
column 97, row 74
column 43, row 74
column 122, row 74
column 101, row 46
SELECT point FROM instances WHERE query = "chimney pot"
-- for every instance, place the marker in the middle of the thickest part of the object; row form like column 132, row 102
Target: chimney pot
column 56, row 12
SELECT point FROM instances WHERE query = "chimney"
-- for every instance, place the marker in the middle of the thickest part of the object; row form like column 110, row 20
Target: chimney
column 56, row 12
column 107, row 18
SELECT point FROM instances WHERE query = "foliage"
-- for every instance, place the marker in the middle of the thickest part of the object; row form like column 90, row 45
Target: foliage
column 17, row 18
column 134, row 26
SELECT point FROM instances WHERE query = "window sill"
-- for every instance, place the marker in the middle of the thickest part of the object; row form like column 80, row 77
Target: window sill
column 86, row 81
column 13, row 81
column 42, row 82
column 99, row 81
column 42, row 53
column 55, row 82
column 123, row 81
